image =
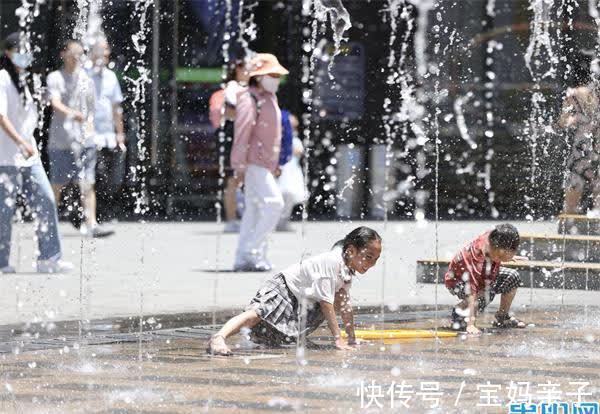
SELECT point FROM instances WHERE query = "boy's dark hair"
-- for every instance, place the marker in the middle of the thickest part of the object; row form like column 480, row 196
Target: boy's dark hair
column 505, row 236
column 359, row 238
column 69, row 42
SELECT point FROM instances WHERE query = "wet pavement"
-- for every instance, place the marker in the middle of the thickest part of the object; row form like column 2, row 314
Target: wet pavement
column 555, row 359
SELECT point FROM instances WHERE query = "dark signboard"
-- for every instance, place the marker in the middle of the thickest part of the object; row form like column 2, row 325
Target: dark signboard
column 343, row 96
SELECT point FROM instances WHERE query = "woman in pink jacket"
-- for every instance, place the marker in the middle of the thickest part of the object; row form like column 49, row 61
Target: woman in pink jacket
column 255, row 159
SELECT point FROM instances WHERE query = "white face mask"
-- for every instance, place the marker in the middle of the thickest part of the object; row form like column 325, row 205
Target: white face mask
column 22, row 60
column 269, row 83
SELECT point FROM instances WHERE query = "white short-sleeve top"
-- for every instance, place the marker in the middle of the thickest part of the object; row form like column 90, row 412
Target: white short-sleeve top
column 76, row 91
column 320, row 277
column 108, row 94
column 22, row 113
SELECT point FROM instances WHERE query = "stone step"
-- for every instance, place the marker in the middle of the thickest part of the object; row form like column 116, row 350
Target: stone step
column 539, row 274
column 584, row 217
column 550, row 247
column 578, row 224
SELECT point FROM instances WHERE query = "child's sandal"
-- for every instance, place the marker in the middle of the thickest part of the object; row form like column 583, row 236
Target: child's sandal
column 507, row 321
column 217, row 352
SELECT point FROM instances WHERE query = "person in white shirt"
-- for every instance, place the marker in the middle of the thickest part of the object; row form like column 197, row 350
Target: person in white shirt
column 317, row 288
column 291, row 180
column 71, row 146
column 109, row 131
column 21, row 169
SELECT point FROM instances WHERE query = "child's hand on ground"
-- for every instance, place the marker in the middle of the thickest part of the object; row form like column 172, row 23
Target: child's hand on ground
column 341, row 345
column 516, row 258
column 473, row 330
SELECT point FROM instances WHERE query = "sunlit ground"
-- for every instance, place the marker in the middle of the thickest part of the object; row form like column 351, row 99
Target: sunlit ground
column 159, row 268
column 551, row 359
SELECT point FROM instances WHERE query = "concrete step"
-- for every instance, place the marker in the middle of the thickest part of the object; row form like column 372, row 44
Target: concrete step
column 557, row 247
column 539, row 274
column 578, row 224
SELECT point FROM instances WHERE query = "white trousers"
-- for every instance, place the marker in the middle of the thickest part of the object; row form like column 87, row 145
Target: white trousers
column 291, row 184
column 264, row 204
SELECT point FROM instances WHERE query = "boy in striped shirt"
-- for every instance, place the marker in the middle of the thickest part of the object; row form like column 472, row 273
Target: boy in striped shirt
column 476, row 275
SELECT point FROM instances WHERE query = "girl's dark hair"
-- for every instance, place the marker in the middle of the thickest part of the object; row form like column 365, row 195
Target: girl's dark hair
column 11, row 42
column 505, row 236
column 232, row 69
column 359, row 238
column 6, row 64
column 230, row 74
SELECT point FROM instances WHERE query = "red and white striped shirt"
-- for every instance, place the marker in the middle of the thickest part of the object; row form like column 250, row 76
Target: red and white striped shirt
column 473, row 262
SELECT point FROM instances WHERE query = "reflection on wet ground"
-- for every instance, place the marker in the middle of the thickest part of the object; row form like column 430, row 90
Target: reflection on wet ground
column 555, row 359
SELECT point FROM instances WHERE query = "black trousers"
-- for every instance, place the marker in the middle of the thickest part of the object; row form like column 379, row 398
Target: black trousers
column 110, row 173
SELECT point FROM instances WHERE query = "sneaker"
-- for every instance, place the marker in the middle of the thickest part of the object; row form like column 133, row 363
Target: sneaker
column 262, row 266
column 96, row 231
column 54, row 266
column 7, row 269
column 504, row 320
column 232, row 227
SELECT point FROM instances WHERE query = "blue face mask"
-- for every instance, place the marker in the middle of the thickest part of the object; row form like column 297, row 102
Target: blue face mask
column 22, row 60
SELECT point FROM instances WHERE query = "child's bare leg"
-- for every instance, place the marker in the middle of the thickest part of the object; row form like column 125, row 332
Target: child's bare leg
column 503, row 320
column 229, row 198
column 248, row 319
column 506, row 300
column 572, row 200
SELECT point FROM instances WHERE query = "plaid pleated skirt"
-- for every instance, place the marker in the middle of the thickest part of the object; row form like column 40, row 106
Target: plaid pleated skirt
column 281, row 315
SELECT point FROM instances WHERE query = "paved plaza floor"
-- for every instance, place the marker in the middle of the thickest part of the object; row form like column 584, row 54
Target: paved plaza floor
column 554, row 359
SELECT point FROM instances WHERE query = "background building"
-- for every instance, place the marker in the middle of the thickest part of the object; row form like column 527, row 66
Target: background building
column 467, row 63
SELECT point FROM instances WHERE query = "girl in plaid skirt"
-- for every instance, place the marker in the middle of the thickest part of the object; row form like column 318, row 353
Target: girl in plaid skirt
column 297, row 300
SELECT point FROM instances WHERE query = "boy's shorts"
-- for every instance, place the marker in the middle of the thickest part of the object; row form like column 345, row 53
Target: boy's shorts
column 67, row 167
column 507, row 280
